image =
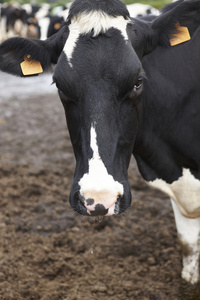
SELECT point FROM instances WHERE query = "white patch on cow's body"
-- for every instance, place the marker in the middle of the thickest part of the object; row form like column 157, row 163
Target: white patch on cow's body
column 43, row 11
column 189, row 234
column 96, row 21
column 97, row 184
column 18, row 27
column 3, row 33
column 137, row 9
column 185, row 198
column 27, row 8
column 185, row 192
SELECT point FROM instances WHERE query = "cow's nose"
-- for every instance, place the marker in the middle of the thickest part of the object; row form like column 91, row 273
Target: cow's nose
column 97, row 207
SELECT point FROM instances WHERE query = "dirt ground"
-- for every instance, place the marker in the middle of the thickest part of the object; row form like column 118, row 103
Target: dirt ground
column 49, row 253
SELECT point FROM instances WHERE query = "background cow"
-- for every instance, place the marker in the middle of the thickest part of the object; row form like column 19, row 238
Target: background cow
column 140, row 10
column 100, row 79
column 28, row 21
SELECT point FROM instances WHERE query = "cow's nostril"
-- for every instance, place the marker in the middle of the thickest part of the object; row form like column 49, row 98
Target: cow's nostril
column 100, row 210
column 89, row 201
column 78, row 197
column 118, row 203
column 119, row 198
column 79, row 203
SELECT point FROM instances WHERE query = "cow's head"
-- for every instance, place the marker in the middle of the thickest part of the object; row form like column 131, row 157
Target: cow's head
column 99, row 77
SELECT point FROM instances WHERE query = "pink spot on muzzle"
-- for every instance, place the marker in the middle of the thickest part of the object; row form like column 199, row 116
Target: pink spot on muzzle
column 103, row 204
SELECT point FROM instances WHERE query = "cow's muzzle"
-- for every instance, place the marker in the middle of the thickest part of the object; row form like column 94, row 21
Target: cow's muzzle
column 94, row 206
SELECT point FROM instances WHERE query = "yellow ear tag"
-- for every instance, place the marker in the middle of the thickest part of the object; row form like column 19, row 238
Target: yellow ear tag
column 31, row 26
column 181, row 36
column 30, row 66
column 57, row 26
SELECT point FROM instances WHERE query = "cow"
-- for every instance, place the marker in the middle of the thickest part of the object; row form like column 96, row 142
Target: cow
column 36, row 11
column 40, row 23
column 44, row 27
column 140, row 10
column 28, row 21
column 12, row 21
column 127, row 87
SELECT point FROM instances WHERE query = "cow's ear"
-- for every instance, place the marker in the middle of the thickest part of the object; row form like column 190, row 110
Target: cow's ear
column 26, row 57
column 177, row 23
column 174, row 26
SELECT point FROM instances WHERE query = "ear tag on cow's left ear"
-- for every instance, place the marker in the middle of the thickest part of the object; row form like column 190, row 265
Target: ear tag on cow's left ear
column 30, row 66
column 181, row 36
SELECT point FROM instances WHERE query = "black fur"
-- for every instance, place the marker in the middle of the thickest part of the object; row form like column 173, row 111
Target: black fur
column 113, row 8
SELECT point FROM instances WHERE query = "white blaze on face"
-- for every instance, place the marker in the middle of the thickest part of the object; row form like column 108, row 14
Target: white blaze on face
column 96, row 20
column 97, row 184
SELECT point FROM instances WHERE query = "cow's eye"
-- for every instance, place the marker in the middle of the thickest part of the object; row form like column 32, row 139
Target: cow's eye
column 62, row 95
column 138, row 85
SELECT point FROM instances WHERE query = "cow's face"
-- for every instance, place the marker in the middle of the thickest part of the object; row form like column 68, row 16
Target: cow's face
column 99, row 78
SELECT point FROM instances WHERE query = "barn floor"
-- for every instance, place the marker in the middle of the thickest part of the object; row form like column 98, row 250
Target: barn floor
column 49, row 253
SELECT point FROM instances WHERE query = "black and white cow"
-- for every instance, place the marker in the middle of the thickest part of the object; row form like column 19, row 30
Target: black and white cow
column 12, row 21
column 40, row 23
column 36, row 11
column 140, row 10
column 45, row 27
column 126, row 90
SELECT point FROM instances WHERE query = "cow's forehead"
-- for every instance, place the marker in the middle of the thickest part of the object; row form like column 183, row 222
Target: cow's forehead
column 97, row 22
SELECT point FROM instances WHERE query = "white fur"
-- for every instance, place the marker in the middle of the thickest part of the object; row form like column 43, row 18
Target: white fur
column 3, row 33
column 97, row 183
column 64, row 13
column 185, row 192
column 43, row 11
column 189, row 234
column 70, row 44
column 44, row 25
column 27, row 8
column 141, row 9
column 185, row 198
column 98, row 21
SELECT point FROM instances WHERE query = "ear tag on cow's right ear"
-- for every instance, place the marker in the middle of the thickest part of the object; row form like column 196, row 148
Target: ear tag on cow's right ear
column 57, row 26
column 30, row 66
column 181, row 36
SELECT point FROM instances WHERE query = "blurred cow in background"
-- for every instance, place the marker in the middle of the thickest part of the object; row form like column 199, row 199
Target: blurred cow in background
column 41, row 24
column 138, row 10
column 28, row 20
column 12, row 21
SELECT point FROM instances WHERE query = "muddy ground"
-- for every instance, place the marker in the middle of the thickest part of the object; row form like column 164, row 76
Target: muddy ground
column 49, row 253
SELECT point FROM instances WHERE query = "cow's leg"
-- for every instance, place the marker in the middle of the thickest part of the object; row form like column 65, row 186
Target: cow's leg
column 189, row 237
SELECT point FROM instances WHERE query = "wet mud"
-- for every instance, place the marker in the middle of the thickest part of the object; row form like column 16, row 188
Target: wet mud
column 49, row 253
